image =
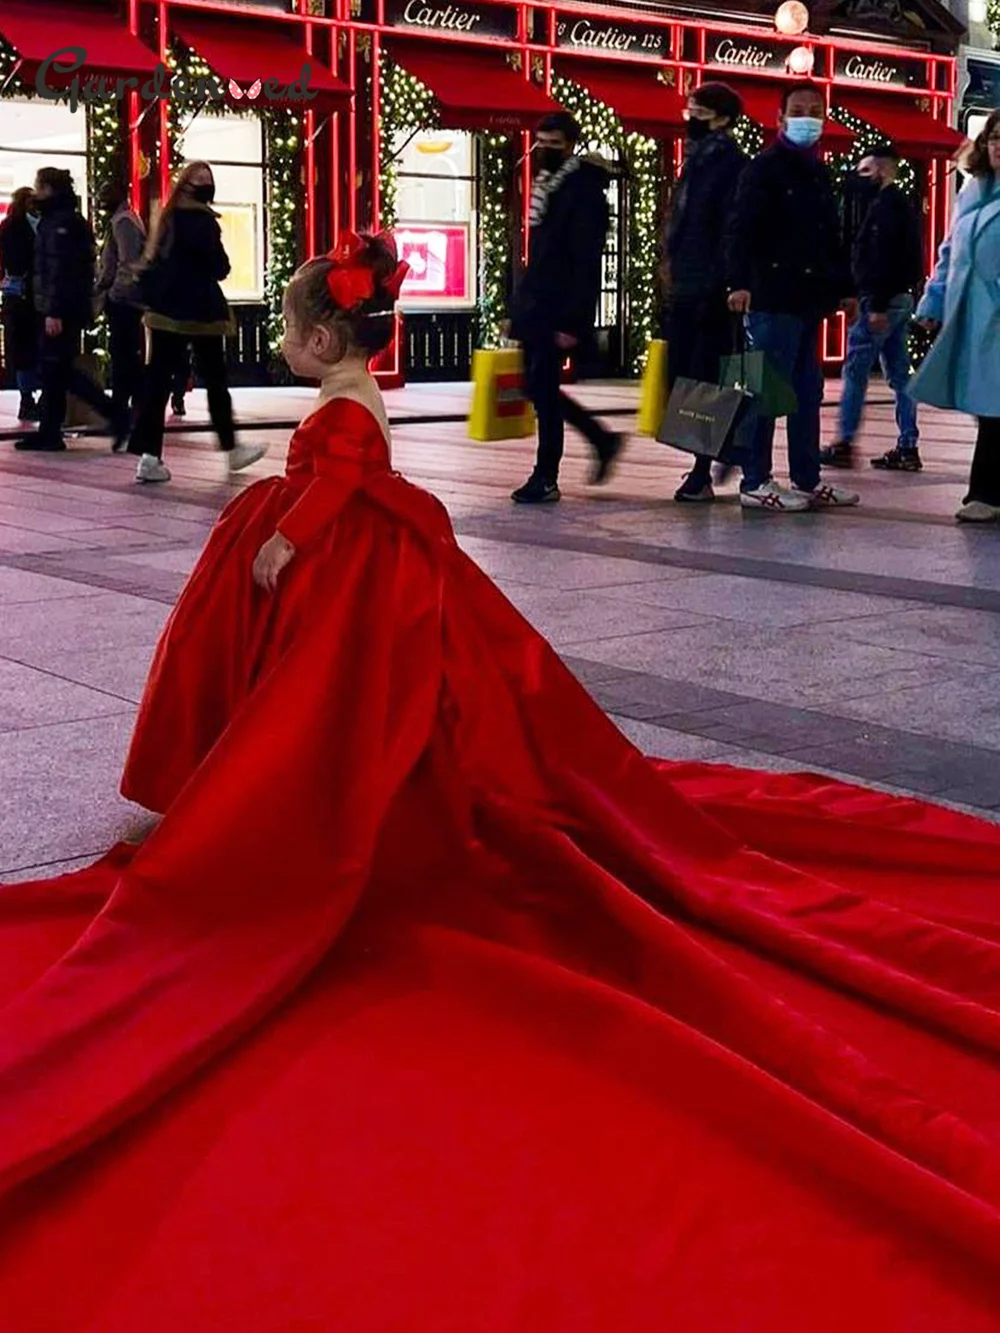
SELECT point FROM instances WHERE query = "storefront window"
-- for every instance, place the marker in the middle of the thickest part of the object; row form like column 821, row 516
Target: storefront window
column 234, row 148
column 436, row 228
column 40, row 134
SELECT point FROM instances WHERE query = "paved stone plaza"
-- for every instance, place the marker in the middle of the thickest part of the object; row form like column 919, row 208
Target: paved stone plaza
column 863, row 643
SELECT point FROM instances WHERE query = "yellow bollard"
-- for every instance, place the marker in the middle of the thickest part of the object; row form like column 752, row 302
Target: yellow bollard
column 500, row 410
column 653, row 400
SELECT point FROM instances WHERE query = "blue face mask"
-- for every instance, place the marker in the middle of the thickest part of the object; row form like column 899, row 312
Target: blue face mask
column 803, row 131
column 33, row 221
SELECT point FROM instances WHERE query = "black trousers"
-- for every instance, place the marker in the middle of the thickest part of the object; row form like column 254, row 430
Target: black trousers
column 699, row 333
column 127, row 345
column 167, row 360
column 60, row 377
column 543, row 363
column 984, row 477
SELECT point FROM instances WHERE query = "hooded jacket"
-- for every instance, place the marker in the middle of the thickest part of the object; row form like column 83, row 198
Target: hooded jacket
column 561, row 285
column 180, row 286
column 64, row 261
column 702, row 204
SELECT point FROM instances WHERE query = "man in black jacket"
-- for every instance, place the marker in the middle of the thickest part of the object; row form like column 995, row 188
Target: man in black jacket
column 787, row 269
column 697, row 324
column 64, row 299
column 888, row 267
column 554, row 310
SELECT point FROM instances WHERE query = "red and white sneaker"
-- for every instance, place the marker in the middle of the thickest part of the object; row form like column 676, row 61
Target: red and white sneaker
column 771, row 496
column 829, row 497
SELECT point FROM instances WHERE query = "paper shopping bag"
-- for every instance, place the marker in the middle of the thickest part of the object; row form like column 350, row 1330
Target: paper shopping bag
column 653, row 400
column 500, row 411
column 702, row 418
column 753, row 372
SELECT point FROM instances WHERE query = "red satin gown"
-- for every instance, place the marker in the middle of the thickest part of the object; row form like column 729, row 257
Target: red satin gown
column 431, row 1006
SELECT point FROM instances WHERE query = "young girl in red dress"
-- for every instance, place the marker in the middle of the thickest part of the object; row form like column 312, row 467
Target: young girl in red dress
column 432, row 1004
column 253, row 586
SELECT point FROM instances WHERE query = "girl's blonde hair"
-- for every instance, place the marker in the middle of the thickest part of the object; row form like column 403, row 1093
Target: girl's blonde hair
column 369, row 326
column 180, row 191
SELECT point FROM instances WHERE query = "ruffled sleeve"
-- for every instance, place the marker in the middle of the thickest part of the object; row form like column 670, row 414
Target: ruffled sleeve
column 346, row 446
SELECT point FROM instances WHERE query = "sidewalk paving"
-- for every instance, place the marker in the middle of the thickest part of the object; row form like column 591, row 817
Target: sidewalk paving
column 863, row 643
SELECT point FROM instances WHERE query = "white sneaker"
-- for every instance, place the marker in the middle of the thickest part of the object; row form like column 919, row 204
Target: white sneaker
column 245, row 455
column 771, row 496
column 152, row 468
column 977, row 512
column 829, row 497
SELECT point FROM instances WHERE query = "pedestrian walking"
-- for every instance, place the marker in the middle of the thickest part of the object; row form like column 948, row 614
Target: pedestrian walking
column 185, row 264
column 888, row 269
column 787, row 270
column 63, row 292
column 697, row 323
column 181, row 385
column 961, row 305
column 118, row 291
column 554, row 310
column 20, row 322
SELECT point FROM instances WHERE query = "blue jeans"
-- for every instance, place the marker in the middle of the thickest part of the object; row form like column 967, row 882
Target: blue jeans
column 864, row 347
column 792, row 345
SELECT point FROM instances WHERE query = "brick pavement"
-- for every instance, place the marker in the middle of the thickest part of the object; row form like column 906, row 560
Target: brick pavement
column 863, row 643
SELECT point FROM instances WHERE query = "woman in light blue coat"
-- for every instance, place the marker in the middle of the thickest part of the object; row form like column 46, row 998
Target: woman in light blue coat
column 962, row 305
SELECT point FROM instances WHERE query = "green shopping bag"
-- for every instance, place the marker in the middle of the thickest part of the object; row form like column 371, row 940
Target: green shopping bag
column 753, row 372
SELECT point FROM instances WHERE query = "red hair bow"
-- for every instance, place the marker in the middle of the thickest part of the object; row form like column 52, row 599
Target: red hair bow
column 351, row 280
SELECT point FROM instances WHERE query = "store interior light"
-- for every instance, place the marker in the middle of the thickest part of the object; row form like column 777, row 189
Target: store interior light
column 792, row 18
column 978, row 11
column 801, row 60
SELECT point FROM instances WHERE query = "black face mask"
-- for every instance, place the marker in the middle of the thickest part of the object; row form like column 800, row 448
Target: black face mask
column 204, row 194
column 698, row 130
column 867, row 187
column 551, row 159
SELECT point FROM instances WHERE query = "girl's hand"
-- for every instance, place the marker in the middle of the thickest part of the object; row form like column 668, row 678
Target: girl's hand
column 272, row 558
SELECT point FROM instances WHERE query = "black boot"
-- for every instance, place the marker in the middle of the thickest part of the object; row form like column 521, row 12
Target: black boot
column 28, row 410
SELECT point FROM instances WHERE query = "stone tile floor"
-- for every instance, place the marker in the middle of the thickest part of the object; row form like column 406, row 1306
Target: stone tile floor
column 862, row 643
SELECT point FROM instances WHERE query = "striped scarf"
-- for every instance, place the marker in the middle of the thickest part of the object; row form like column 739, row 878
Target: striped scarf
column 546, row 184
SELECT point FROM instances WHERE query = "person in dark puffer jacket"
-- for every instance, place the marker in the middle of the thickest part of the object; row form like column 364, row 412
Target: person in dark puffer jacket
column 554, row 310
column 180, row 286
column 696, row 323
column 20, row 322
column 788, row 268
column 64, row 299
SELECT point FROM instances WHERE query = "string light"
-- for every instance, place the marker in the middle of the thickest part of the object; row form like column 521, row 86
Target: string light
column 496, row 166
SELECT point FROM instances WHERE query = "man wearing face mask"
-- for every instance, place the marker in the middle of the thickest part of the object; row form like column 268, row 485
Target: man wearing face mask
column 787, row 269
column 554, row 310
column 63, row 287
column 696, row 322
column 888, row 267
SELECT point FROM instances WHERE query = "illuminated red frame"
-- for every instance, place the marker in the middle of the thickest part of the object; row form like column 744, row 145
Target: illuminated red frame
column 343, row 196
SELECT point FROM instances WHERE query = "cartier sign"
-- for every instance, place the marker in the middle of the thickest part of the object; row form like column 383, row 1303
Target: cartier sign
column 878, row 71
column 595, row 37
column 460, row 20
column 747, row 54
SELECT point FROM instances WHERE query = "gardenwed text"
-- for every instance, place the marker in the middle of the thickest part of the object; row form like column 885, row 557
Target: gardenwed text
column 161, row 85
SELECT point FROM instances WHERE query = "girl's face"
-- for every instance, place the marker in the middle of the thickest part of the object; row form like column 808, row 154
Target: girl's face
column 311, row 353
column 993, row 146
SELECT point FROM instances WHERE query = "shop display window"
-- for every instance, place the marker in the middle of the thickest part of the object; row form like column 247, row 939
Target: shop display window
column 436, row 212
column 233, row 146
column 36, row 134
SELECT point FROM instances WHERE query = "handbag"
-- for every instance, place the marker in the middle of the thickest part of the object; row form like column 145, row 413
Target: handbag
column 500, row 409
column 754, row 372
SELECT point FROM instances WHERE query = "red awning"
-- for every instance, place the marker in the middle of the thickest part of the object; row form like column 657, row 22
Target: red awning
column 633, row 92
column 476, row 90
column 762, row 101
column 248, row 51
column 37, row 31
column 914, row 133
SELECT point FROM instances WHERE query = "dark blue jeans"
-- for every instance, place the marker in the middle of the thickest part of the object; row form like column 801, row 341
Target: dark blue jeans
column 792, row 344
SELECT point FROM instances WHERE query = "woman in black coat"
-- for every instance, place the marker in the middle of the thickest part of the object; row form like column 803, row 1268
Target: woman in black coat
column 20, row 323
column 185, row 306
